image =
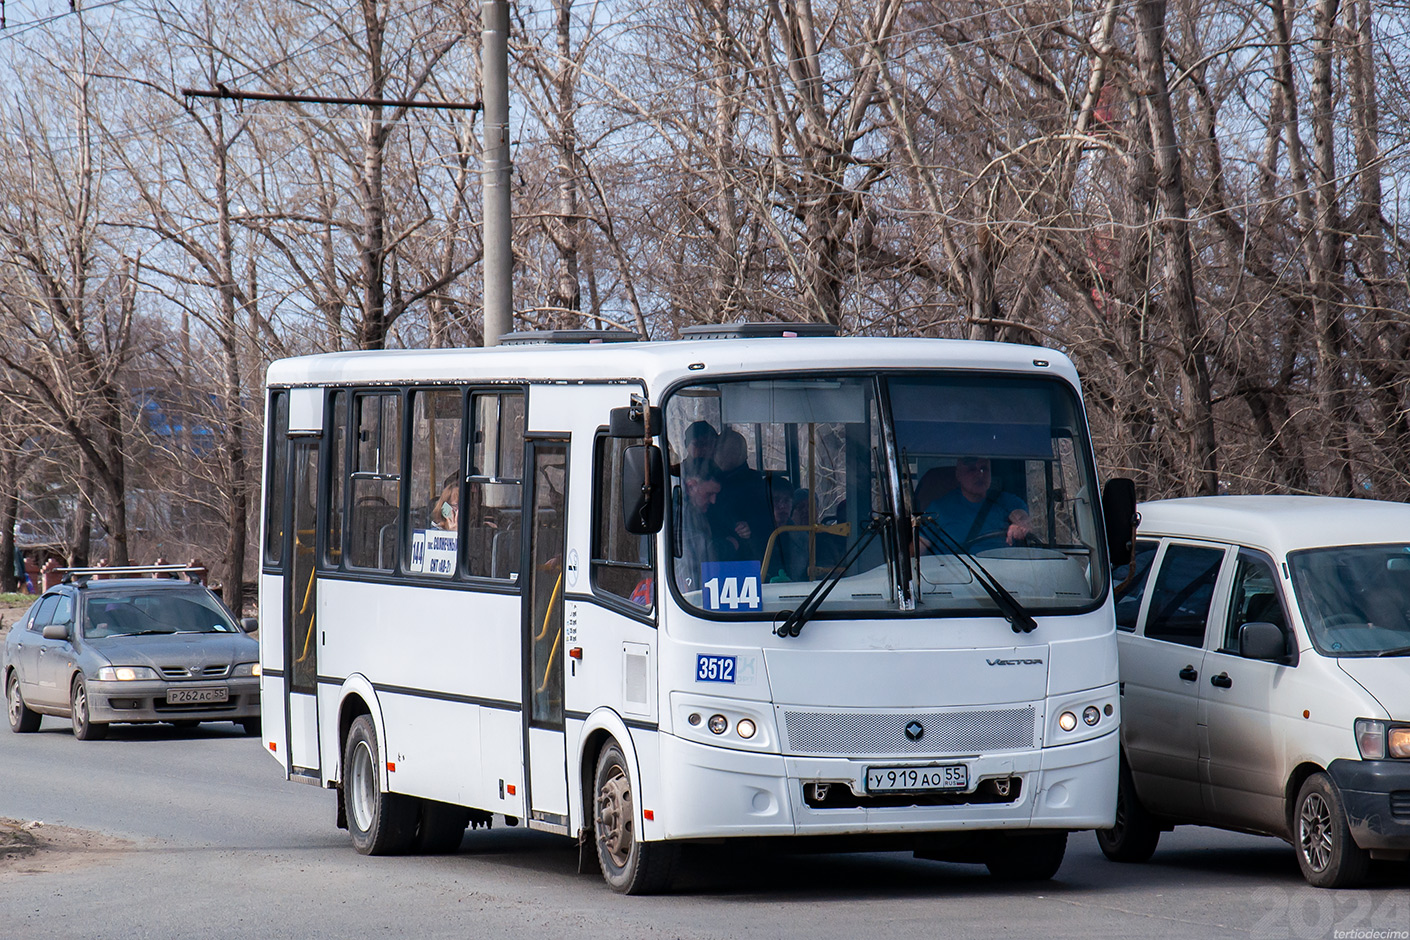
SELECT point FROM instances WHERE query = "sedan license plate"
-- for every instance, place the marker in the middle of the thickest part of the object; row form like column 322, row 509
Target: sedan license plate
column 196, row 696
column 917, row 779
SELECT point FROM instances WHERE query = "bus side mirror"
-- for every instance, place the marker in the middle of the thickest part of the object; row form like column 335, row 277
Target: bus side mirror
column 643, row 489
column 1119, row 514
column 630, row 422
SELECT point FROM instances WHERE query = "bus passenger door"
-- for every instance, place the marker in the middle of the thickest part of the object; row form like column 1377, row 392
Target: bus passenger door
column 546, row 506
column 300, row 601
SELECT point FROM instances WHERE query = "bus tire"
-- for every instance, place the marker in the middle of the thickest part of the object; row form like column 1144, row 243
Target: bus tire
column 1026, row 857
column 629, row 865
column 380, row 823
column 84, row 727
column 441, row 828
column 1135, row 835
column 1326, row 853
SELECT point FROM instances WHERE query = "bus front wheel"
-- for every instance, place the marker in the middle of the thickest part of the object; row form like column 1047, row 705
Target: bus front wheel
column 380, row 823
column 1026, row 856
column 629, row 865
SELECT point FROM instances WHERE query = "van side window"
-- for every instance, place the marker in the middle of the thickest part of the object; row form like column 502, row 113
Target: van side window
column 621, row 561
column 1183, row 589
column 1130, row 585
column 1255, row 598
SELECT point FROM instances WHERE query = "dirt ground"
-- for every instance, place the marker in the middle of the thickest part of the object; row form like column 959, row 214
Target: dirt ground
column 29, row 847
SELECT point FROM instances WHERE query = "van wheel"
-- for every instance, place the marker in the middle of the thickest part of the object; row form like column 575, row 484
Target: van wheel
column 629, row 865
column 23, row 719
column 380, row 823
column 1026, row 857
column 1135, row 835
column 441, row 828
column 1325, row 851
column 84, row 728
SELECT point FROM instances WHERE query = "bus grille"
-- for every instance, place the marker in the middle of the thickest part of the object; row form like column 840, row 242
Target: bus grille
column 868, row 733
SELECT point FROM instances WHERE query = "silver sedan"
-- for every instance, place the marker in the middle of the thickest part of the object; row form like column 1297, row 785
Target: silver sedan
column 130, row 650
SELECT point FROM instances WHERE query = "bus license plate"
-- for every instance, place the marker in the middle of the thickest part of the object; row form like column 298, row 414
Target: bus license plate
column 917, row 779
column 196, row 696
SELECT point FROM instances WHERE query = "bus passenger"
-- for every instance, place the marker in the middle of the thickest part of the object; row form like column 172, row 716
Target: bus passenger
column 699, row 478
column 742, row 517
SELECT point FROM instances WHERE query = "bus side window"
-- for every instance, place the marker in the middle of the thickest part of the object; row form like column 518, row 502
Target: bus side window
column 277, row 461
column 622, row 563
column 433, row 510
column 494, row 487
column 375, row 484
column 337, row 477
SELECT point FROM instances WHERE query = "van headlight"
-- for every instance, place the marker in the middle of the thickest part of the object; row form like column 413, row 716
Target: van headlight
column 245, row 669
column 126, row 673
column 1377, row 740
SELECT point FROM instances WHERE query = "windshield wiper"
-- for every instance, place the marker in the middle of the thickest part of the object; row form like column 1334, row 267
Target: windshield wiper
column 1021, row 620
column 1398, row 651
column 793, row 624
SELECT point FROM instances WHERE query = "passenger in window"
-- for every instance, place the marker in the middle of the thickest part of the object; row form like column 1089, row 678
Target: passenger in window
column 700, row 438
column 701, row 484
column 976, row 516
column 445, row 509
column 742, row 517
column 789, row 561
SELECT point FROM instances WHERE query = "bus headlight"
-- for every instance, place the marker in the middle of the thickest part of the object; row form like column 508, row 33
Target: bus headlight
column 719, row 724
column 1067, row 721
column 745, row 728
column 1091, row 715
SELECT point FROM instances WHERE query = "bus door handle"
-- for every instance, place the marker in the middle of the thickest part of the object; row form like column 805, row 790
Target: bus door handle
column 1189, row 674
column 1222, row 680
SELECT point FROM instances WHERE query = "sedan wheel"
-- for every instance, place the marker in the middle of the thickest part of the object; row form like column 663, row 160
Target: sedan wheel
column 84, row 728
column 22, row 719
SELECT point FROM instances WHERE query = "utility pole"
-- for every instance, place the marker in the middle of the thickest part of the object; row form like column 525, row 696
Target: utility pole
column 499, row 255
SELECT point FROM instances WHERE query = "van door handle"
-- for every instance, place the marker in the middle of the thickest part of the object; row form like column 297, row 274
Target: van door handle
column 1189, row 674
column 1222, row 680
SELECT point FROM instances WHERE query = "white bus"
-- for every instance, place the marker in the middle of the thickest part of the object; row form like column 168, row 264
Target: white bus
column 650, row 593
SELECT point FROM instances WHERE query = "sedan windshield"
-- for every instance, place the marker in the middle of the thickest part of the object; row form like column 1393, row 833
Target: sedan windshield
column 166, row 611
column 781, row 484
column 1355, row 599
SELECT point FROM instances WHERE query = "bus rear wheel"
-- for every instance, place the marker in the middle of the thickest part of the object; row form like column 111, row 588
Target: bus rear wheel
column 380, row 823
column 629, row 865
column 441, row 827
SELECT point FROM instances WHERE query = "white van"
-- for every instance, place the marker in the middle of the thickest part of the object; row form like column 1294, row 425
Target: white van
column 1265, row 677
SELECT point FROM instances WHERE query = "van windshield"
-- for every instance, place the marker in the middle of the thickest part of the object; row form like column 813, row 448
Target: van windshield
column 906, row 484
column 1355, row 599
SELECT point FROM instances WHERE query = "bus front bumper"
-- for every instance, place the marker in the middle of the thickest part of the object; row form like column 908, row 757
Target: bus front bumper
column 712, row 792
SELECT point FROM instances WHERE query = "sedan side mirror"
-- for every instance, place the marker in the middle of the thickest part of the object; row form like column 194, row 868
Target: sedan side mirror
column 1259, row 640
column 56, row 631
column 249, row 624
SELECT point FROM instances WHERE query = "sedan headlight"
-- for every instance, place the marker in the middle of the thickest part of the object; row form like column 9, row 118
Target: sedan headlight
column 1377, row 740
column 126, row 673
column 245, row 669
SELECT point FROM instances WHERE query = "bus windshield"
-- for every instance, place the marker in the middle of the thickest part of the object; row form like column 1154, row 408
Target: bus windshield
column 945, row 476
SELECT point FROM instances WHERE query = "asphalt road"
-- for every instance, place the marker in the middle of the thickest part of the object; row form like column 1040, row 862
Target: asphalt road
column 212, row 843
